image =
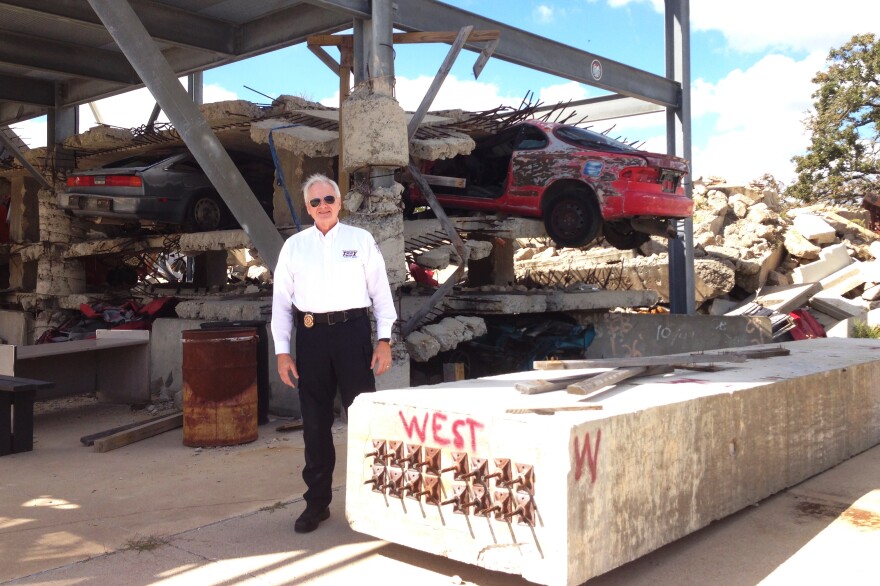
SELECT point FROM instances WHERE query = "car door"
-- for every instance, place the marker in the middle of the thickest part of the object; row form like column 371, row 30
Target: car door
column 531, row 170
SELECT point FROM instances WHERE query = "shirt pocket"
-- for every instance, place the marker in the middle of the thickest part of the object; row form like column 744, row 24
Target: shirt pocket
column 349, row 277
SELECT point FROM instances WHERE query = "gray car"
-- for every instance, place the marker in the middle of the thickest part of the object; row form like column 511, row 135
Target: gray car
column 161, row 188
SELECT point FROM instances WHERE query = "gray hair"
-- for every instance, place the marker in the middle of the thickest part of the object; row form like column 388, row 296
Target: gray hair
column 319, row 178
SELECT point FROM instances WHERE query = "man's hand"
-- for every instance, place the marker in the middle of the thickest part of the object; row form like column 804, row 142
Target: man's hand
column 287, row 369
column 381, row 358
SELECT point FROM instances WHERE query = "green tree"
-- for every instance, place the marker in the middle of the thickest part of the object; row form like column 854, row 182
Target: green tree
column 841, row 164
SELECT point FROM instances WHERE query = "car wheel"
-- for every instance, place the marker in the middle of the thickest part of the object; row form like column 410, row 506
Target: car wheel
column 207, row 213
column 572, row 219
column 622, row 236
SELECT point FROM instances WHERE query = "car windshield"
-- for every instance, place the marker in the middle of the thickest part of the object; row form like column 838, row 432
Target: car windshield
column 588, row 139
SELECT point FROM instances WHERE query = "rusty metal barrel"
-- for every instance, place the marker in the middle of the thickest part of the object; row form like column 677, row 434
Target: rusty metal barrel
column 219, row 386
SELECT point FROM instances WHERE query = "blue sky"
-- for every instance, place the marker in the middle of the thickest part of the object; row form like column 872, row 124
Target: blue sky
column 752, row 62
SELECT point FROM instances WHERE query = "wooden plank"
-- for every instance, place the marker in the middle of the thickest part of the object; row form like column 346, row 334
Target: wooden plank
column 148, row 429
column 89, row 440
column 550, row 410
column 539, row 386
column 592, row 393
column 612, row 377
column 453, row 371
column 477, row 36
column 290, row 426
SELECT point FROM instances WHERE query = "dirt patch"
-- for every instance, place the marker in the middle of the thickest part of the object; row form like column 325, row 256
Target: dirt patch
column 53, row 405
column 861, row 518
column 820, row 510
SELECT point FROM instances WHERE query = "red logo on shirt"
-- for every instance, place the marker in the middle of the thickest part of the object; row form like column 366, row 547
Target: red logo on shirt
column 349, row 253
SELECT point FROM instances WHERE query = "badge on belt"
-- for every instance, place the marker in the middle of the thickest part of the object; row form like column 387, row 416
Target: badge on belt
column 308, row 320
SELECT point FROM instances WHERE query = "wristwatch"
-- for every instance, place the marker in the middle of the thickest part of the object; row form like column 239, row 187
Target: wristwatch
column 385, row 340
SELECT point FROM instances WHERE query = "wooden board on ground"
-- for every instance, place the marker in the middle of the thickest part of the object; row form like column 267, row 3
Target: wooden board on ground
column 290, row 426
column 136, row 434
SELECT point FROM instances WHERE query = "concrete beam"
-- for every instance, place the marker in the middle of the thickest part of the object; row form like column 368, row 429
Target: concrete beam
column 590, row 490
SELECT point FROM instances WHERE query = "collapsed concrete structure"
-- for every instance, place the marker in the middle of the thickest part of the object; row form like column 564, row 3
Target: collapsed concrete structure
column 743, row 241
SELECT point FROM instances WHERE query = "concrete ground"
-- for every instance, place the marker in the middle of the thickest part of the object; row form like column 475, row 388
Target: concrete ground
column 157, row 512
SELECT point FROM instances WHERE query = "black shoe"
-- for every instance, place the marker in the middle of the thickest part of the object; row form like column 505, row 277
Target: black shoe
column 310, row 519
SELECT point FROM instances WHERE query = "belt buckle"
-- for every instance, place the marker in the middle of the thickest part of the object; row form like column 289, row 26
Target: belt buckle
column 308, row 320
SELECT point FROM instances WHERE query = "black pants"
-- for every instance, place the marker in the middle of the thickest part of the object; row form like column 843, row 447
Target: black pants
column 329, row 357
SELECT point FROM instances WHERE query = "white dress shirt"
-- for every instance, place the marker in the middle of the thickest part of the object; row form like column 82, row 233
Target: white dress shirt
column 318, row 273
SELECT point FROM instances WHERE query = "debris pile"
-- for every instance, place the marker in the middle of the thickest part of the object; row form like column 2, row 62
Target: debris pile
column 749, row 246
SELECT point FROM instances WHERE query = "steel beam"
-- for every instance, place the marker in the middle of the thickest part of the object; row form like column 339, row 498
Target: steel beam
column 288, row 27
column 163, row 22
column 75, row 60
column 27, row 90
column 134, row 40
column 529, row 50
column 355, row 8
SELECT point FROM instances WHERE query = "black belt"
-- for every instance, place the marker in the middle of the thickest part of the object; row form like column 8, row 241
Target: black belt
column 309, row 319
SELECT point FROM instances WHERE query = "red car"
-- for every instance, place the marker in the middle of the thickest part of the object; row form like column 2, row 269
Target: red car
column 582, row 183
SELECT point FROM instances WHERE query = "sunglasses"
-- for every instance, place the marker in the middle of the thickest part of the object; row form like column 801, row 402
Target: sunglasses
column 328, row 199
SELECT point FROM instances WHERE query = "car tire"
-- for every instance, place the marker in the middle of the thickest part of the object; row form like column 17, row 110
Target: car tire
column 207, row 213
column 622, row 236
column 572, row 219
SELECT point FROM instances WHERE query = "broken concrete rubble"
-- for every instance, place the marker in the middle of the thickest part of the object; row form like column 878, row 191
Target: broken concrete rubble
column 299, row 139
column 100, row 137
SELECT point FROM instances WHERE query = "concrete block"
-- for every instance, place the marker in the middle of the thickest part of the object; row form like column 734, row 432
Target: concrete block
column 844, row 280
column 831, row 259
column 814, row 228
column 16, row 327
column 786, row 298
column 588, row 491
column 628, row 334
column 839, row 307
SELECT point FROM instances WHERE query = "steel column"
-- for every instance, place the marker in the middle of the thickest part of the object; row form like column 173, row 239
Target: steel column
column 149, row 63
column 678, row 140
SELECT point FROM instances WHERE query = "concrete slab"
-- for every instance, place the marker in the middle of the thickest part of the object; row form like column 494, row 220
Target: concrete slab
column 664, row 457
column 628, row 334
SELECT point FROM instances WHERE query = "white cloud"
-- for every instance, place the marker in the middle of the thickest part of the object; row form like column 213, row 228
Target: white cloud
column 128, row 110
column 801, row 25
column 543, row 14
column 757, row 118
column 757, row 25
column 658, row 5
column 563, row 92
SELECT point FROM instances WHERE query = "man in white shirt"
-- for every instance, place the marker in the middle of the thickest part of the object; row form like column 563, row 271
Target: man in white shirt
column 327, row 277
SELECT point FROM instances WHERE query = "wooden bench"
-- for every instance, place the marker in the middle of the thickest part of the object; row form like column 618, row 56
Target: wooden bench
column 115, row 366
column 17, row 413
